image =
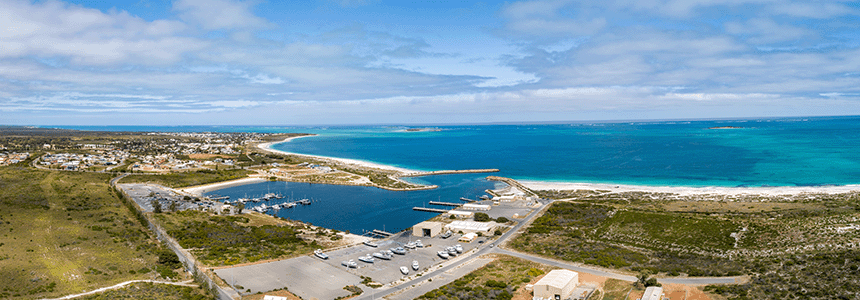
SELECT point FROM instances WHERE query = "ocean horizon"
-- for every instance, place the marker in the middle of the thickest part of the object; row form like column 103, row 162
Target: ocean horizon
column 763, row 152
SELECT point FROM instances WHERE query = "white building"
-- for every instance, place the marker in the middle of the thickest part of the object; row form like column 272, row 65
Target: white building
column 557, row 284
column 473, row 206
column 461, row 214
column 652, row 293
column 471, row 226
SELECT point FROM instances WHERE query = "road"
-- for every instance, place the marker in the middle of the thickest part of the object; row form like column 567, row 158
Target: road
column 421, row 287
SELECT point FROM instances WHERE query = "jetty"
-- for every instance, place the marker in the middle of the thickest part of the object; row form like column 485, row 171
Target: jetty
column 381, row 233
column 435, row 210
column 445, row 203
column 441, row 172
column 512, row 183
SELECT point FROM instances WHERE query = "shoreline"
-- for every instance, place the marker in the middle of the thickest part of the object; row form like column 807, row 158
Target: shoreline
column 565, row 185
column 686, row 190
column 268, row 147
column 199, row 190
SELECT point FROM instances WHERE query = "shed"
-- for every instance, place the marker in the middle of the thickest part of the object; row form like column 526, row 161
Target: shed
column 652, row 293
column 471, row 226
column 473, row 206
column 427, row 229
column 461, row 214
column 469, row 237
column 557, row 284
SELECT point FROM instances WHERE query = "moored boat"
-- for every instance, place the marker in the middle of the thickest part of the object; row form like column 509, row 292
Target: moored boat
column 404, row 270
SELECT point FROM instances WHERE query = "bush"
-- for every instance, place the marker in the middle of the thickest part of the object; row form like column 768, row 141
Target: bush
column 482, row 217
column 502, row 220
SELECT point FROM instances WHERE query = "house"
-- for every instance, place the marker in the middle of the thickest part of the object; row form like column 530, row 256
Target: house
column 468, row 238
column 556, row 285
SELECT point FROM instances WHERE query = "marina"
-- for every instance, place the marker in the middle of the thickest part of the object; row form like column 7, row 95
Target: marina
column 338, row 206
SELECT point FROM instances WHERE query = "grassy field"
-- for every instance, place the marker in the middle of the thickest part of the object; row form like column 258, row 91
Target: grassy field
column 501, row 279
column 67, row 232
column 184, row 179
column 229, row 240
column 787, row 244
column 146, row 290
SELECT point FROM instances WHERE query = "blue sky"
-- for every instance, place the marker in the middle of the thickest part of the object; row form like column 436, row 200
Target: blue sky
column 229, row 62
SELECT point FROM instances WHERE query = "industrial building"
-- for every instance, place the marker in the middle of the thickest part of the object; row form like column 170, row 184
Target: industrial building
column 556, row 285
column 427, row 229
column 471, row 226
column 473, row 206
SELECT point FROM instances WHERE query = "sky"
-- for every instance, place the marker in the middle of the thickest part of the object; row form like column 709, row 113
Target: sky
column 329, row 62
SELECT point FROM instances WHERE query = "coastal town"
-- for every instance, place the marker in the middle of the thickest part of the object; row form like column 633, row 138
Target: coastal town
column 173, row 184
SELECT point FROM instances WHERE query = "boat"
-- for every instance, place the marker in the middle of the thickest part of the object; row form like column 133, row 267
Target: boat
column 398, row 250
column 466, row 199
column 451, row 251
column 410, row 245
column 459, row 248
column 289, row 205
column 276, row 207
column 367, row 258
column 371, row 244
column 404, row 270
column 443, row 254
column 485, row 197
column 388, row 252
column 349, row 264
column 419, row 244
column 381, row 255
column 320, row 254
column 415, row 265
column 447, row 234
column 304, row 201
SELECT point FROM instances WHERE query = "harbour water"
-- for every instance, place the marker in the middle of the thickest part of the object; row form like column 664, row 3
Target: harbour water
column 357, row 208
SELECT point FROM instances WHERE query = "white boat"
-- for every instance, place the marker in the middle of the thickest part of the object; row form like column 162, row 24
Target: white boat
column 415, row 265
column 442, row 254
column 459, row 248
column 399, row 250
column 447, row 234
column 289, row 205
column 419, row 244
column 410, row 245
column 371, row 244
column 349, row 264
column 380, row 255
column 451, row 251
column 320, row 254
column 404, row 270
column 367, row 258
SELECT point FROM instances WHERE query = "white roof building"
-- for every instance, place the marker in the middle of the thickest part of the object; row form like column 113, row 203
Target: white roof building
column 473, row 206
column 461, row 214
column 652, row 293
column 557, row 284
column 471, row 226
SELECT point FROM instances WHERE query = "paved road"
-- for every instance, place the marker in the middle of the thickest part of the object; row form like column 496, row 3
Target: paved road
column 422, row 286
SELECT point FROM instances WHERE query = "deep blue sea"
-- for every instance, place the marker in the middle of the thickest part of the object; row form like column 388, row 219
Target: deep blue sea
column 762, row 152
column 358, row 209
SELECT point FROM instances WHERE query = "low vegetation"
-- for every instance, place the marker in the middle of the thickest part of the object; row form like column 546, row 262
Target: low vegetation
column 67, row 232
column 228, row 240
column 500, row 279
column 793, row 247
column 146, row 290
column 184, row 179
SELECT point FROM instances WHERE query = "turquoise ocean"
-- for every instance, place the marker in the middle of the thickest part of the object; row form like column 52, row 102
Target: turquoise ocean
column 753, row 152
column 810, row 151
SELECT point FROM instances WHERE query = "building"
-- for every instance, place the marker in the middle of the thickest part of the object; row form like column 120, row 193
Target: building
column 473, row 206
column 461, row 214
column 471, row 226
column 427, row 229
column 468, row 238
column 652, row 293
column 556, row 285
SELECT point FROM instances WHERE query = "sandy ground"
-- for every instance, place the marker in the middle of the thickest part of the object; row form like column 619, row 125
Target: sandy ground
column 772, row 191
column 199, row 190
column 355, row 162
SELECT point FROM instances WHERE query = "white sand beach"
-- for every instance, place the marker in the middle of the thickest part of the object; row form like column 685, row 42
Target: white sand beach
column 346, row 161
column 683, row 191
column 199, row 190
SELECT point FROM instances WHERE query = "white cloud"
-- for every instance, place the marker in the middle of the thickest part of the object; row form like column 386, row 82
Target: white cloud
column 219, row 14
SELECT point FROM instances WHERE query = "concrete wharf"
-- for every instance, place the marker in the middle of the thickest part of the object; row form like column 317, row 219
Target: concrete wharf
column 445, row 203
column 382, row 233
column 435, row 210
